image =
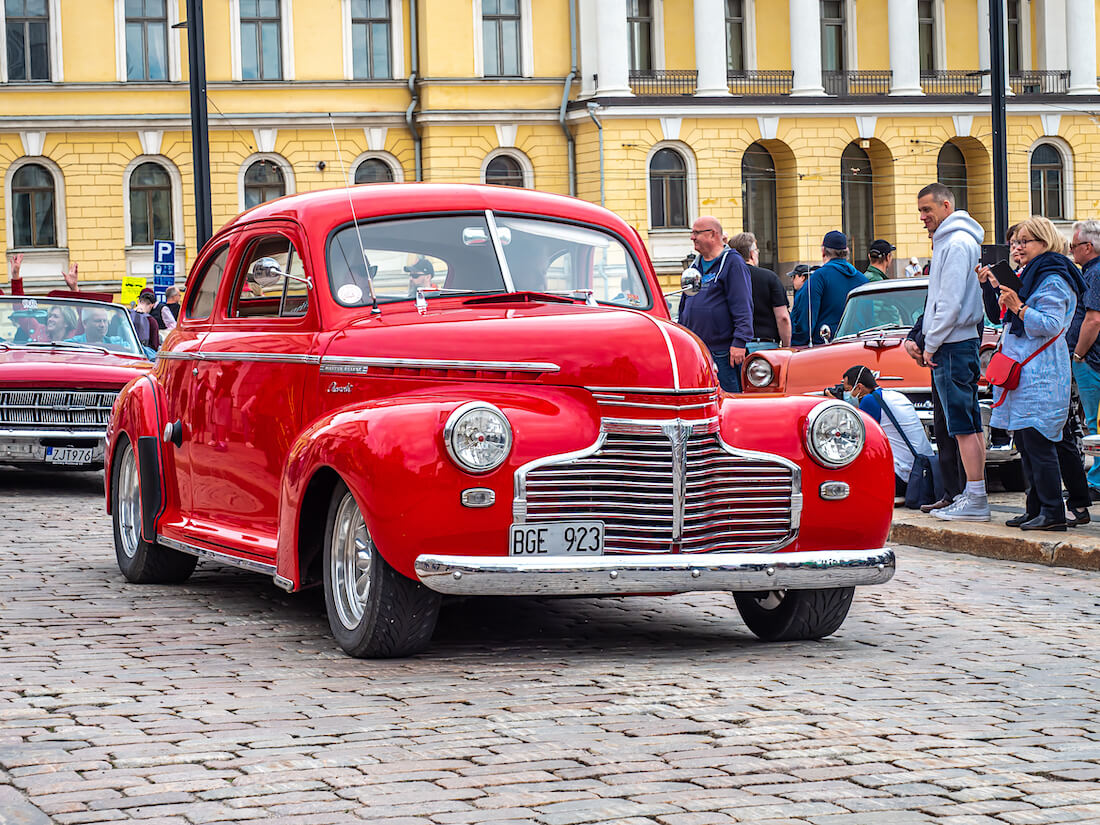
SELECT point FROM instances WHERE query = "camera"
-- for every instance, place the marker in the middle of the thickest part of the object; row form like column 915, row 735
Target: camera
column 836, row 391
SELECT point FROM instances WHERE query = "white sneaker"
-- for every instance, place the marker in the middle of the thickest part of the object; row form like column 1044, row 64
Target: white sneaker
column 965, row 508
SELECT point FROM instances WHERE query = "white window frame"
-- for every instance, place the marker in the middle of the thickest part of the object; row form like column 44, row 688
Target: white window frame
column 273, row 157
column 58, row 200
column 692, row 194
column 397, row 41
column 286, row 21
column 386, row 158
column 177, row 197
column 516, row 155
column 1066, row 152
column 526, row 37
column 57, row 63
column 175, row 73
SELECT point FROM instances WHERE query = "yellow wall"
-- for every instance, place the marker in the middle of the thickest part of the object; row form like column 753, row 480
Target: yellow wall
column 874, row 36
column 773, row 36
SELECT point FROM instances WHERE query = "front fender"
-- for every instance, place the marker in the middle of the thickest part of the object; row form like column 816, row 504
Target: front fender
column 138, row 411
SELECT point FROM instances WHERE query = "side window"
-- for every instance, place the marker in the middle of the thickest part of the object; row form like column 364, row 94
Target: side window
column 262, row 294
column 201, row 302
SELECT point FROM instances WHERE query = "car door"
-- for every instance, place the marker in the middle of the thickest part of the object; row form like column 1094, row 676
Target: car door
column 253, row 368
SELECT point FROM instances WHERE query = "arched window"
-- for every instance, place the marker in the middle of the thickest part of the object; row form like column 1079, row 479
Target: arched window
column 33, row 207
column 951, row 172
column 668, row 190
column 857, row 202
column 1047, row 182
column 263, row 182
column 373, row 170
column 150, row 204
column 504, row 171
column 760, row 216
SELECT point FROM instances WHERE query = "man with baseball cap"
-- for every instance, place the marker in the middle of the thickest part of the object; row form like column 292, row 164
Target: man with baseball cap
column 830, row 285
column 881, row 255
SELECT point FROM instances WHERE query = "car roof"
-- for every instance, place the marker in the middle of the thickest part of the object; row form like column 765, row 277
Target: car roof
column 890, row 285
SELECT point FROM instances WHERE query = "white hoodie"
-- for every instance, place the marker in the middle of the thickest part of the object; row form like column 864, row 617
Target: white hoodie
column 954, row 306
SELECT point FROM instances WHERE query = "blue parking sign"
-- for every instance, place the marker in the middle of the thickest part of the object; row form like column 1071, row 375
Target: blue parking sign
column 164, row 252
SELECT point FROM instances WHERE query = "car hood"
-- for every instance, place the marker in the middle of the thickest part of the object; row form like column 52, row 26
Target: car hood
column 67, row 368
column 813, row 369
column 578, row 345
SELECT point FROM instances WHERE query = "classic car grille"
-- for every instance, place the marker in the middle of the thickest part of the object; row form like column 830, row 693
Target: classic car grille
column 61, row 409
column 729, row 502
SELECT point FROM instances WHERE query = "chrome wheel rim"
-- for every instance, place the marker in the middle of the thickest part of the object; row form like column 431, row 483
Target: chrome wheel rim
column 350, row 563
column 129, row 503
column 771, row 600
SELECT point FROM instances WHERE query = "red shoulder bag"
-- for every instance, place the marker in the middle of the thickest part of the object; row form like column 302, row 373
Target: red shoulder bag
column 1005, row 372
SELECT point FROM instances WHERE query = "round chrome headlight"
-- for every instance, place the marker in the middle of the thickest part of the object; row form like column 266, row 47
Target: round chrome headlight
column 834, row 434
column 478, row 437
column 759, row 372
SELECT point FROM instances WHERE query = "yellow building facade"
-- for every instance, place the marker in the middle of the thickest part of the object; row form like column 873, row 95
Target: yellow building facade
column 785, row 117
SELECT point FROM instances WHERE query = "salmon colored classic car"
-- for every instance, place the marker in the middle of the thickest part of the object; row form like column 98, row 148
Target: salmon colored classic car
column 402, row 392
column 871, row 332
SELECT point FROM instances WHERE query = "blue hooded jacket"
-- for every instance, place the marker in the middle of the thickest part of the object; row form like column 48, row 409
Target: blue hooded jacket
column 721, row 312
column 829, row 287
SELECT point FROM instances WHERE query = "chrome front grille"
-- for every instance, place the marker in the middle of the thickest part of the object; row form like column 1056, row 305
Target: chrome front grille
column 668, row 487
column 56, row 409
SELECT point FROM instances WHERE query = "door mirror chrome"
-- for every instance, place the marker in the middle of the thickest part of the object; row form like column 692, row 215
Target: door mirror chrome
column 691, row 281
column 825, row 333
column 266, row 273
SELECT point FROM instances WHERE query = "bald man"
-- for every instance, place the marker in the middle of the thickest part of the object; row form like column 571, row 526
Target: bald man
column 721, row 312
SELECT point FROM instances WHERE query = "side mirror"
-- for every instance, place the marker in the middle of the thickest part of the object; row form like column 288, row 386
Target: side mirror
column 691, row 281
column 825, row 332
column 265, row 272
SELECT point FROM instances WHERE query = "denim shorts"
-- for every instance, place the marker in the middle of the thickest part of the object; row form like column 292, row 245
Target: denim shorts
column 956, row 377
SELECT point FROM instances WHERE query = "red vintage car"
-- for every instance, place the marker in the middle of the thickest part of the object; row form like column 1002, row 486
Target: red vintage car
column 62, row 363
column 402, row 392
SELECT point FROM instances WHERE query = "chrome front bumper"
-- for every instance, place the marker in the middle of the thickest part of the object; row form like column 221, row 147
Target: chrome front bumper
column 663, row 573
column 29, row 446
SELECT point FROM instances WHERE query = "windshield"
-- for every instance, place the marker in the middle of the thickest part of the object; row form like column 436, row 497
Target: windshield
column 48, row 322
column 455, row 254
column 889, row 308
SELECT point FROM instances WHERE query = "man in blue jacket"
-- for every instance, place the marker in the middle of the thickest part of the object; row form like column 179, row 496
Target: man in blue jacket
column 721, row 312
column 830, row 285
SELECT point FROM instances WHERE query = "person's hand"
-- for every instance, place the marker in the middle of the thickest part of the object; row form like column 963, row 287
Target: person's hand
column 70, row 279
column 914, row 351
column 926, row 357
column 15, row 263
column 1010, row 300
column 737, row 355
column 985, row 275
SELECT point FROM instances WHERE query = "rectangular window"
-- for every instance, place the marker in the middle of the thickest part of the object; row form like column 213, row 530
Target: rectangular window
column 500, row 30
column 832, row 36
column 370, row 38
column 735, row 35
column 261, row 40
column 27, row 39
column 926, row 24
column 146, row 40
column 1013, row 37
column 639, row 20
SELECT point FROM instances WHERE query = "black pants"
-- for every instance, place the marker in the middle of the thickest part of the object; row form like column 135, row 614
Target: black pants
column 951, row 466
column 1070, row 461
column 1040, row 459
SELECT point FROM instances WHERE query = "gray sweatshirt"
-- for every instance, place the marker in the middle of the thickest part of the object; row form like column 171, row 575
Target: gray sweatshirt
column 953, row 308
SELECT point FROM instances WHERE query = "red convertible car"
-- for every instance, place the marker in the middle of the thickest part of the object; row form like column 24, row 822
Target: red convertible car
column 403, row 392
column 62, row 363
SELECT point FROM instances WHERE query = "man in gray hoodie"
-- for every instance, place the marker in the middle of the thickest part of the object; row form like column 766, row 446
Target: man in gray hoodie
column 952, row 314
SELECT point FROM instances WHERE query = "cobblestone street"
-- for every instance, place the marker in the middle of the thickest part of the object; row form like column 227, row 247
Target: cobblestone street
column 966, row 691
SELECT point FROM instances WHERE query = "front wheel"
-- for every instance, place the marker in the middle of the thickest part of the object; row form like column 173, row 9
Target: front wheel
column 141, row 562
column 373, row 611
column 790, row 615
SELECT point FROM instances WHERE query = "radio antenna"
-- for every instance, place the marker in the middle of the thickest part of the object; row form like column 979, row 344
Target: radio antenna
column 358, row 233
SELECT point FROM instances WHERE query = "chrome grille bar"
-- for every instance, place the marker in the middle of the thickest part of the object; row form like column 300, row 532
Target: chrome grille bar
column 63, row 409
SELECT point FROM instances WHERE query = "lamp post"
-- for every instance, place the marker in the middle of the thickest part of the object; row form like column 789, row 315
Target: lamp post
column 997, row 101
column 200, row 129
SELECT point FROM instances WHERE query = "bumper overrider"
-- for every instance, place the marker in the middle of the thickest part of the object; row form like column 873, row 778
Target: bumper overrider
column 655, row 573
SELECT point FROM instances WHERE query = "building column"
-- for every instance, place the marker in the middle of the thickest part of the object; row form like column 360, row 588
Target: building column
column 806, row 47
column 613, row 59
column 904, row 48
column 710, row 48
column 1081, row 46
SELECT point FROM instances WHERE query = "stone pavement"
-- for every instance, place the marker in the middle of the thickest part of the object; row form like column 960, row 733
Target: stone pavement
column 964, row 692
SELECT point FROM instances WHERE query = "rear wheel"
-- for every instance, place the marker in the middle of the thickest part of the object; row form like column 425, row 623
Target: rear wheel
column 789, row 615
column 373, row 611
column 140, row 561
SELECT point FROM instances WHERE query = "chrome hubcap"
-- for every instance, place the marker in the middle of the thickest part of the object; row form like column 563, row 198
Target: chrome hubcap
column 128, row 503
column 349, row 563
column 772, row 600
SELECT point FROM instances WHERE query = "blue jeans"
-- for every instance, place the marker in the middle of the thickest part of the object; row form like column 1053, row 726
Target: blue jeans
column 956, row 378
column 1088, row 387
column 729, row 376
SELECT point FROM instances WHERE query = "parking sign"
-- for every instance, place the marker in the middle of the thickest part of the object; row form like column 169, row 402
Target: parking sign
column 164, row 267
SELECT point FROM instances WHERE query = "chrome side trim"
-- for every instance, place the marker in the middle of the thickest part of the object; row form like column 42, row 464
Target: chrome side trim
column 710, row 391
column 353, row 363
column 224, row 558
column 266, row 357
column 663, row 573
column 59, row 433
column 608, row 403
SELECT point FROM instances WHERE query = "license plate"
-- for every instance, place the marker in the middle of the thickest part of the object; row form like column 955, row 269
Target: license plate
column 561, row 538
column 69, row 455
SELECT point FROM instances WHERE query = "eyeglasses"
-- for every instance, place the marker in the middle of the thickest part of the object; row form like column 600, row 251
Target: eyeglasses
column 1073, row 246
column 696, row 232
column 1022, row 241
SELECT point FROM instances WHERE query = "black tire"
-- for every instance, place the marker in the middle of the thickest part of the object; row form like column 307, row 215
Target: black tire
column 1012, row 476
column 140, row 561
column 374, row 612
column 790, row 615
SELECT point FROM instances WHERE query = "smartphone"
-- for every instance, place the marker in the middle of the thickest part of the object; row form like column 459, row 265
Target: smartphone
column 1006, row 277
column 993, row 252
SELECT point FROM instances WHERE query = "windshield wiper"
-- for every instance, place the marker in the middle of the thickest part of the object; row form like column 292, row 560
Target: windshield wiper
column 879, row 328
column 67, row 345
